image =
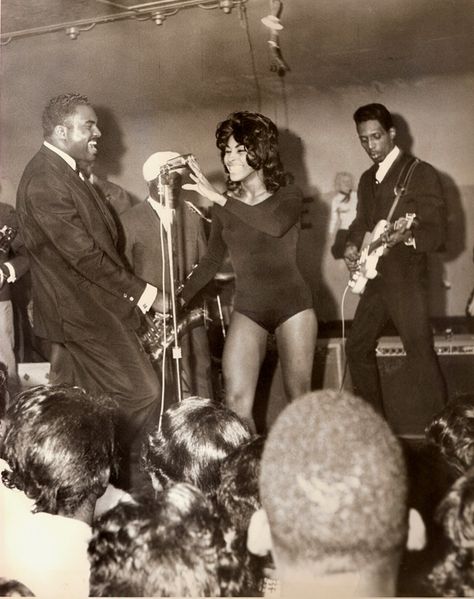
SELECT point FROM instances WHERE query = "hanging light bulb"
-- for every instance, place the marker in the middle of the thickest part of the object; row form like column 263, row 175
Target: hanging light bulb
column 226, row 5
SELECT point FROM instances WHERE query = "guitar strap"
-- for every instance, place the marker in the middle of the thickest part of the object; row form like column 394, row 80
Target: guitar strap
column 400, row 189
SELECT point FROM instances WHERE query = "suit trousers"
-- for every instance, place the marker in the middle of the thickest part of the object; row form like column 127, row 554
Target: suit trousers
column 119, row 367
column 406, row 305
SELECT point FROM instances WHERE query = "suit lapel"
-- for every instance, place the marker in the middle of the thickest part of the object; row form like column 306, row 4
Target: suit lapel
column 87, row 195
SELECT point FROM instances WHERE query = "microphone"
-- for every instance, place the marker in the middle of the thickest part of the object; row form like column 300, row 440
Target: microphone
column 177, row 163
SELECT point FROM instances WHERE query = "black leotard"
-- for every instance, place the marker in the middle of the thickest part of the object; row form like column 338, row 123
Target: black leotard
column 262, row 242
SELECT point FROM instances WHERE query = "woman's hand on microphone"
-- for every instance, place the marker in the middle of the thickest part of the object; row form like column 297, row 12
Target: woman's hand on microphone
column 201, row 184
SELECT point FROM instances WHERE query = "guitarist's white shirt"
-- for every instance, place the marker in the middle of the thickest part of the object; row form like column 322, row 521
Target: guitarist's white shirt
column 383, row 169
column 386, row 163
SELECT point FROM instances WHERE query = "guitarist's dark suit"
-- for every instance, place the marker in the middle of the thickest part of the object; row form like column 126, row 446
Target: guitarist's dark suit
column 84, row 299
column 399, row 292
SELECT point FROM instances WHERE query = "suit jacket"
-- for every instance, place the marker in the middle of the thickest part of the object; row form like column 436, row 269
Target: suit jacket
column 141, row 228
column 17, row 255
column 424, row 197
column 81, row 287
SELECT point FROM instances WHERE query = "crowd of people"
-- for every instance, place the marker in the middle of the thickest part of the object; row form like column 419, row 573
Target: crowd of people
column 110, row 487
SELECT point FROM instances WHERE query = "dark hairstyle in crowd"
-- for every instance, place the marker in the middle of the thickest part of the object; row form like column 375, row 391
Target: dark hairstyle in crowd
column 3, row 389
column 374, row 112
column 194, row 437
column 168, row 548
column 452, row 432
column 259, row 135
column 59, row 109
column 59, row 445
column 13, row 588
column 238, row 498
column 454, row 576
column 334, row 485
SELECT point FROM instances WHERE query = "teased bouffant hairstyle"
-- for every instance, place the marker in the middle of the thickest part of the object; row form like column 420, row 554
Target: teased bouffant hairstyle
column 374, row 112
column 454, row 575
column 238, row 498
column 171, row 547
column 334, row 485
column 194, row 437
column 259, row 135
column 59, row 109
column 452, row 432
column 59, row 445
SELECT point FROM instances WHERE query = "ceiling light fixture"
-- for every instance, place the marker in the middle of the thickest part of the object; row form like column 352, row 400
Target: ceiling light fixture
column 157, row 11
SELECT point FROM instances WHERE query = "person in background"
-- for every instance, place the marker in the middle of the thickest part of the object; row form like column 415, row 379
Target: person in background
column 146, row 227
column 14, row 264
column 258, row 219
column 399, row 292
column 343, row 211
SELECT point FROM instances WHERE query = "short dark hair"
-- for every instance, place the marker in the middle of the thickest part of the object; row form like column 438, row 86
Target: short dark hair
column 333, row 483
column 259, row 135
column 195, row 435
column 13, row 588
column 452, row 432
column 374, row 112
column 161, row 549
column 59, row 445
column 59, row 109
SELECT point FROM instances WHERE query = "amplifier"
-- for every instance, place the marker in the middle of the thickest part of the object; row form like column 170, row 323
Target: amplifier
column 400, row 394
column 328, row 372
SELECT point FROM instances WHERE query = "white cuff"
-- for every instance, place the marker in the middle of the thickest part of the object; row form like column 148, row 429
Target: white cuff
column 411, row 242
column 12, row 276
column 147, row 298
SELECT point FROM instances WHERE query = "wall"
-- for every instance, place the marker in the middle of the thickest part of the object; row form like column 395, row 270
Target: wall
column 167, row 89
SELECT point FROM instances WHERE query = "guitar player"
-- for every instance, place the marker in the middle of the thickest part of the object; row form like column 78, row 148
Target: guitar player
column 396, row 185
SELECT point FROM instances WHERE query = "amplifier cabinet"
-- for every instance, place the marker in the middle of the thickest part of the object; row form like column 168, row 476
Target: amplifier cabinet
column 328, row 372
column 400, row 394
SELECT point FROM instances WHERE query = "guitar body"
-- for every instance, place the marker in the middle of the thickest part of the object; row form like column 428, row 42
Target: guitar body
column 373, row 250
column 368, row 260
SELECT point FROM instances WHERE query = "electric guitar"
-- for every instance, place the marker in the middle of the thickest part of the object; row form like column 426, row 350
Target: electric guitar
column 374, row 249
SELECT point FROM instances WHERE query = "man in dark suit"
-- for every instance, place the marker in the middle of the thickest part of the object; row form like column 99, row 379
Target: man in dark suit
column 86, row 303
column 13, row 265
column 399, row 292
column 146, row 227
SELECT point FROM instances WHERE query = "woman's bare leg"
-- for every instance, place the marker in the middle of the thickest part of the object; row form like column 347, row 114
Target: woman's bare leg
column 244, row 351
column 296, row 341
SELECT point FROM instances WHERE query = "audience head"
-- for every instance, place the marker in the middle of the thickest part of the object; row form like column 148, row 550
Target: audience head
column 452, row 432
column 454, row 576
column 59, row 445
column 163, row 549
column 238, row 494
column 333, row 485
column 70, row 123
column 259, row 136
column 238, row 498
column 195, row 436
column 13, row 588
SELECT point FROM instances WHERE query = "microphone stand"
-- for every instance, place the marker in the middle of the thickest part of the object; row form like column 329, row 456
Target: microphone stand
column 164, row 191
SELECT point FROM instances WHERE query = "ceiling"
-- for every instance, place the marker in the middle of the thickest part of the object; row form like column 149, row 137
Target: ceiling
column 326, row 43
